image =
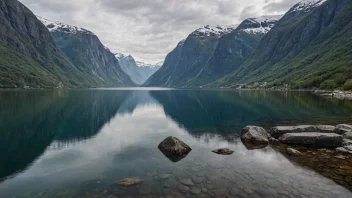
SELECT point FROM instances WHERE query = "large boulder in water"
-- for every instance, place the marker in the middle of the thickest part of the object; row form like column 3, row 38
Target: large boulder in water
column 313, row 139
column 278, row 131
column 174, row 149
column 254, row 135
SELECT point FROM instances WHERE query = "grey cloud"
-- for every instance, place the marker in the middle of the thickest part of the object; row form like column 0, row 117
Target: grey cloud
column 149, row 29
column 280, row 6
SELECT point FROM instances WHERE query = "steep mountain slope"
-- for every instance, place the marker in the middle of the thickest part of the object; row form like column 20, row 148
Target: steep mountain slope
column 88, row 54
column 138, row 71
column 234, row 48
column 28, row 55
column 311, row 46
column 189, row 57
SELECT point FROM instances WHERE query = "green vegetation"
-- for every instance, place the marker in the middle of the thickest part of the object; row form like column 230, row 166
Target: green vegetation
column 322, row 60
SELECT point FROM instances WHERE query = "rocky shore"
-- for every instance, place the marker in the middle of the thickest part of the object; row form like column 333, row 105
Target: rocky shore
column 315, row 136
column 334, row 94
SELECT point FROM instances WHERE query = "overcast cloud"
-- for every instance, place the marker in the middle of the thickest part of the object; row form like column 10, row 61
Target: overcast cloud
column 149, row 29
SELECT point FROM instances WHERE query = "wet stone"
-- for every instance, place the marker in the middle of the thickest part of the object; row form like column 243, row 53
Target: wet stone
column 183, row 188
column 223, row 151
column 164, row 176
column 198, row 180
column 195, row 191
column 187, row 182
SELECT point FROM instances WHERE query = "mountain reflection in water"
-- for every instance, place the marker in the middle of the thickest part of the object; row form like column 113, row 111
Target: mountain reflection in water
column 62, row 139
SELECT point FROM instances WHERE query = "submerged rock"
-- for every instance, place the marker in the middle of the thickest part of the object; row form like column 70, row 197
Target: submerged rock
column 223, row 151
column 343, row 128
column 293, row 152
column 129, row 182
column 254, row 135
column 318, row 140
column 278, row 131
column 174, row 149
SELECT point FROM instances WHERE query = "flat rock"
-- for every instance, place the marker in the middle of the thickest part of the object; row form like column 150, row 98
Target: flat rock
column 195, row 191
column 343, row 128
column 187, row 182
column 293, row 152
column 174, row 149
column 278, row 131
column 313, row 139
column 254, row 135
column 223, row 151
column 129, row 182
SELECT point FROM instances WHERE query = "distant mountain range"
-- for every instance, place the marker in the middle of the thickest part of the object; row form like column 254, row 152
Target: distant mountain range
column 308, row 47
column 211, row 52
column 138, row 71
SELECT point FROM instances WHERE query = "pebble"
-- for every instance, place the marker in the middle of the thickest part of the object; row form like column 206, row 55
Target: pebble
column 187, row 182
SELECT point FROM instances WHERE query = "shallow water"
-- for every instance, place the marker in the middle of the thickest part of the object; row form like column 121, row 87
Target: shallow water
column 77, row 143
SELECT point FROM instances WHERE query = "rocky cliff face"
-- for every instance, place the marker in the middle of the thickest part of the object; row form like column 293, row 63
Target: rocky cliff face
column 28, row 55
column 138, row 71
column 309, row 47
column 211, row 52
column 88, row 54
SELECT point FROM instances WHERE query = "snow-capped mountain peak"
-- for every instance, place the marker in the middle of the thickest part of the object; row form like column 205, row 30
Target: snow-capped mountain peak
column 259, row 25
column 306, row 5
column 61, row 27
column 210, row 30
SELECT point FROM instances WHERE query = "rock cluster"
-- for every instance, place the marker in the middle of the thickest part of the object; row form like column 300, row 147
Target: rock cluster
column 318, row 136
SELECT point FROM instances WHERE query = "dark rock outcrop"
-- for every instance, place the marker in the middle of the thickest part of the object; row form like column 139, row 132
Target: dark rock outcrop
column 254, row 135
column 281, row 130
column 313, row 139
column 174, row 149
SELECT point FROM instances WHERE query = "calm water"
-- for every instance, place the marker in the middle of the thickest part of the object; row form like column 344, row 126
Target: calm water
column 77, row 143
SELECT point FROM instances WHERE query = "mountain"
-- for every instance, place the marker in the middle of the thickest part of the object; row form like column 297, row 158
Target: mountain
column 88, row 54
column 211, row 52
column 138, row 71
column 234, row 48
column 189, row 57
column 310, row 47
column 28, row 54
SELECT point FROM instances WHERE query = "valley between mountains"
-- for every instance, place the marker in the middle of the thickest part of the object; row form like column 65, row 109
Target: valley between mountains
column 308, row 47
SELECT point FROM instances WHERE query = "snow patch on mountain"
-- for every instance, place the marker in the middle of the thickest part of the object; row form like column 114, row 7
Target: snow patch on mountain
column 120, row 56
column 259, row 25
column 210, row 30
column 62, row 27
column 306, row 5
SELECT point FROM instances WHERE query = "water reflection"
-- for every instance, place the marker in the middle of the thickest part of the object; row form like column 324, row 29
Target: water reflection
column 70, row 143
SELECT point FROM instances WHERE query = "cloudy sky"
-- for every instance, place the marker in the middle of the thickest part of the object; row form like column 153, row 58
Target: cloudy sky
column 149, row 29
